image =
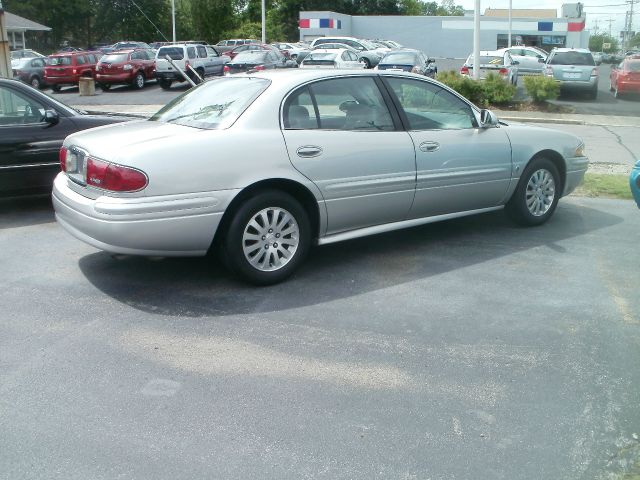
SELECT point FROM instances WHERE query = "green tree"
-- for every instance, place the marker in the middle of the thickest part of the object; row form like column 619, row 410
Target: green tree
column 142, row 20
column 635, row 40
column 597, row 41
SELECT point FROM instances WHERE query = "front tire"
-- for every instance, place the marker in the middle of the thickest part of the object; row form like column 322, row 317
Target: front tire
column 36, row 82
column 268, row 238
column 367, row 62
column 537, row 194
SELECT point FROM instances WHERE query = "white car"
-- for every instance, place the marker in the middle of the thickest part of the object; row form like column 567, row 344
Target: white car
column 323, row 58
column 530, row 59
column 493, row 61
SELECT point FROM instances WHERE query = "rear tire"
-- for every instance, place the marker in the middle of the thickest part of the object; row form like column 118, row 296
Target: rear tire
column 594, row 93
column 138, row 81
column 267, row 239
column 55, row 88
column 165, row 84
column 105, row 86
column 537, row 194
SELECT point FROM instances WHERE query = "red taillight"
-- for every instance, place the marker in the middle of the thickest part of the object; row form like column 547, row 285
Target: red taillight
column 503, row 71
column 186, row 67
column 115, row 178
column 63, row 159
column 594, row 72
column 464, row 70
column 226, row 69
column 259, row 67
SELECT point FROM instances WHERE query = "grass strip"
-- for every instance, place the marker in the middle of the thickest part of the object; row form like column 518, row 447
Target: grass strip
column 604, row 185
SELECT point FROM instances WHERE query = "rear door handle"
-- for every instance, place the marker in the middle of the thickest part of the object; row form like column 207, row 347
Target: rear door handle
column 429, row 146
column 309, row 151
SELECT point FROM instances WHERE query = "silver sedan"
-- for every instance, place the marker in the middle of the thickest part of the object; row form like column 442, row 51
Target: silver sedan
column 259, row 167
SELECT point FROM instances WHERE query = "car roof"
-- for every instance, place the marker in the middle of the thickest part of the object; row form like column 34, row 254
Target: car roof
column 560, row 50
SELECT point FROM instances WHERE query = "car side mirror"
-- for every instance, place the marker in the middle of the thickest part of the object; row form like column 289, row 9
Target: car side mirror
column 515, row 62
column 51, row 117
column 487, row 118
column 430, row 60
column 541, row 60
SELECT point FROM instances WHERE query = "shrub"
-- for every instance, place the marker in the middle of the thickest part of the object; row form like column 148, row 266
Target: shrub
column 497, row 90
column 541, row 88
column 492, row 90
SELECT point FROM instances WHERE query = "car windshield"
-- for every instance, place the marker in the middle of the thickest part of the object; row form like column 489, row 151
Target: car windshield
column 250, row 57
column 60, row 61
column 175, row 53
column 213, row 105
column 633, row 66
column 368, row 44
column 572, row 58
column 401, row 57
column 115, row 58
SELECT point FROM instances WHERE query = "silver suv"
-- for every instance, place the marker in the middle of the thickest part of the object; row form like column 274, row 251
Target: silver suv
column 574, row 68
column 204, row 59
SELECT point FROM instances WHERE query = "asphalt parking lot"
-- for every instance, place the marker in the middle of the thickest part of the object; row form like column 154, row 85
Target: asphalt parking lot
column 470, row 349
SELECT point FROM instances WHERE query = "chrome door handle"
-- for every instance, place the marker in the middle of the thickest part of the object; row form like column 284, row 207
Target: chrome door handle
column 429, row 146
column 309, row 151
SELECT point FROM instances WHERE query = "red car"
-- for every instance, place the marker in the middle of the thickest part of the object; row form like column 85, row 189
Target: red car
column 133, row 66
column 625, row 78
column 251, row 46
column 67, row 68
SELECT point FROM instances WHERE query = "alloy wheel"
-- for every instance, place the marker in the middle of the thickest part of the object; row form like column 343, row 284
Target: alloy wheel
column 540, row 192
column 270, row 239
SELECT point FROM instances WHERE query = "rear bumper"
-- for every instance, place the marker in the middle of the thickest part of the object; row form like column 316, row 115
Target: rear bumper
column 171, row 225
column 591, row 85
column 173, row 76
column 630, row 86
column 126, row 77
column 576, row 168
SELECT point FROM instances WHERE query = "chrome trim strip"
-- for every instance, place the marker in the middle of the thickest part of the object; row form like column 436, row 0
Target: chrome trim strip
column 389, row 227
column 30, row 165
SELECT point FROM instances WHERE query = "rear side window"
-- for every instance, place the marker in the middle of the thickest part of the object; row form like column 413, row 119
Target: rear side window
column 175, row 53
column 342, row 104
column 55, row 61
column 572, row 58
column 213, row 105
column 80, row 60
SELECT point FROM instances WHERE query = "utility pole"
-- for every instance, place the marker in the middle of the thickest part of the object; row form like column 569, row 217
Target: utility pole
column 610, row 22
column 595, row 27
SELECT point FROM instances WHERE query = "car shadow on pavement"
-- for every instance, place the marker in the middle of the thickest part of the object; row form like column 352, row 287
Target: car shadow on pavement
column 26, row 211
column 196, row 287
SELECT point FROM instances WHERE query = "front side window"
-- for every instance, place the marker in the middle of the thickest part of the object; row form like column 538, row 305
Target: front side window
column 17, row 109
column 212, row 52
column 213, row 105
column 59, row 61
column 80, row 60
column 430, row 107
column 191, row 52
column 202, row 52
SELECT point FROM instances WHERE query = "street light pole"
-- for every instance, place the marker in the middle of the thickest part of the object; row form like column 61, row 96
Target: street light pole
column 264, row 33
column 173, row 19
column 510, row 23
column 476, row 41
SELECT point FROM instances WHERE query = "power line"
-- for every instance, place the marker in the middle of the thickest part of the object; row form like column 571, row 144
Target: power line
column 145, row 16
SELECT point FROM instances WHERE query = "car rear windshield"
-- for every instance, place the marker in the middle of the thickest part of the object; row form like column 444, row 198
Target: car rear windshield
column 321, row 56
column 60, row 61
column 407, row 58
column 213, row 105
column 175, row 53
column 250, row 57
column 633, row 66
column 487, row 60
column 572, row 58
column 115, row 58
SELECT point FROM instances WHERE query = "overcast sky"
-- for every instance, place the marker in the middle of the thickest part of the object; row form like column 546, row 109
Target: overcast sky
column 600, row 10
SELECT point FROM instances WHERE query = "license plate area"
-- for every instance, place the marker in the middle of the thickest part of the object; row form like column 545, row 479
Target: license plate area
column 77, row 165
column 572, row 75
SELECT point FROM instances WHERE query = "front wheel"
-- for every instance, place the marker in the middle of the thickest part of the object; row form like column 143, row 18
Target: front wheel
column 268, row 238
column 35, row 82
column 537, row 194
